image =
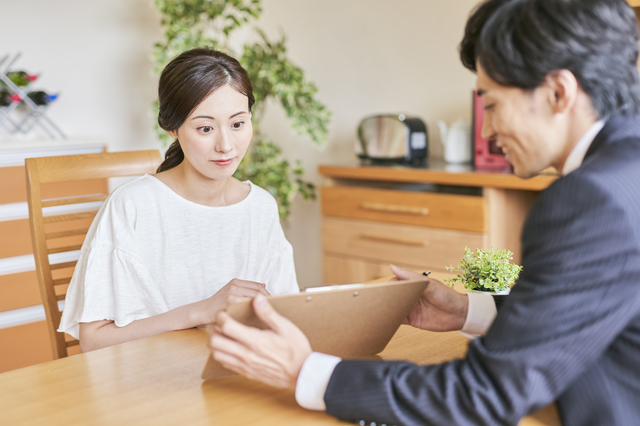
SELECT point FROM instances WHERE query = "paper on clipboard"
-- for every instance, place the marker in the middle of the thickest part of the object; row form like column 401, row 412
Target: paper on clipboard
column 346, row 321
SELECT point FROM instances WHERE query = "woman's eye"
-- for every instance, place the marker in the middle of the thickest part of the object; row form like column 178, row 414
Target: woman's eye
column 238, row 125
column 488, row 107
column 206, row 129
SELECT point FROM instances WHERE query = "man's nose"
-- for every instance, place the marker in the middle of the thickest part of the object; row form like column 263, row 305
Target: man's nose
column 487, row 130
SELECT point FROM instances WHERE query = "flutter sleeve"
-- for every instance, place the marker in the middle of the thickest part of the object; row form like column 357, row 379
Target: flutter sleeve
column 111, row 282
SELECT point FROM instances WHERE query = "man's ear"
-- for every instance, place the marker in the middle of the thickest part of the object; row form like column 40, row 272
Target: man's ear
column 564, row 90
column 172, row 133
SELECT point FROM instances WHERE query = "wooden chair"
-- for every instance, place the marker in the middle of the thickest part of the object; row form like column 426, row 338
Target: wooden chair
column 58, row 234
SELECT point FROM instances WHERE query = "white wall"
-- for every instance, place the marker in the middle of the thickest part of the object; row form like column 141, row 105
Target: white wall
column 366, row 56
column 96, row 54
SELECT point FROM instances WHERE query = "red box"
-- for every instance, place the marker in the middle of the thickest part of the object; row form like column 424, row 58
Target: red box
column 486, row 155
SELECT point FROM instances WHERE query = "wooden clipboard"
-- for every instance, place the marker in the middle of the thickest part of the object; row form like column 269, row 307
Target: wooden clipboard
column 346, row 321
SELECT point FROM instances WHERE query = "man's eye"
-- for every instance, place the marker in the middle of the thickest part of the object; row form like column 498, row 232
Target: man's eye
column 206, row 129
column 488, row 107
column 238, row 125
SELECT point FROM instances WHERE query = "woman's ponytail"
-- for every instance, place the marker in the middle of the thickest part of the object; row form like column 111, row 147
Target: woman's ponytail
column 172, row 158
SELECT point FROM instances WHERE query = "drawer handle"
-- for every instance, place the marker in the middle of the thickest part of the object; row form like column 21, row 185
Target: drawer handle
column 392, row 240
column 391, row 208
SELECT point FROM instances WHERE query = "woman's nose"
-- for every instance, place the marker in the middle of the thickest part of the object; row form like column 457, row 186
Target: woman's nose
column 223, row 143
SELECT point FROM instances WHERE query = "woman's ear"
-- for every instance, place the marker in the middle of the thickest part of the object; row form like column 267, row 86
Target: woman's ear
column 172, row 133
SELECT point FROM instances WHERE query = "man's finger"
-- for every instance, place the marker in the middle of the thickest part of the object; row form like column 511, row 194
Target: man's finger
column 237, row 331
column 267, row 314
column 218, row 342
column 230, row 362
column 404, row 274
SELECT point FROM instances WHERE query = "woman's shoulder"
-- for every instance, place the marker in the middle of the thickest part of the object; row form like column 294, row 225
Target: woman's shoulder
column 261, row 196
column 140, row 188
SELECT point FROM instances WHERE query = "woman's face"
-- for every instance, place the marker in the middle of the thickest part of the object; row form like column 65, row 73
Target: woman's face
column 216, row 135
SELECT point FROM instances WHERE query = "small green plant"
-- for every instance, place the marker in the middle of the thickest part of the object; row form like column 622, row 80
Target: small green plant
column 198, row 23
column 488, row 270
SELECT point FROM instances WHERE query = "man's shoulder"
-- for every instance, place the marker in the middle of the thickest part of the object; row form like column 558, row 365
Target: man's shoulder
column 605, row 187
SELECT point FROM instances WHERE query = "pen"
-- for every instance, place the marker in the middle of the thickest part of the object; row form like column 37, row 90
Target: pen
column 426, row 274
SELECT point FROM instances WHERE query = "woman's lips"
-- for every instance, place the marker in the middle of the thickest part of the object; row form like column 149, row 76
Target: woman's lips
column 223, row 162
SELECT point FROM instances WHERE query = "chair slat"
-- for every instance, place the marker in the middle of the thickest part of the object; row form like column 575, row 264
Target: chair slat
column 53, row 235
column 97, row 166
column 60, row 296
column 62, row 281
column 55, row 266
column 64, row 249
column 74, row 342
column 73, row 216
column 74, row 200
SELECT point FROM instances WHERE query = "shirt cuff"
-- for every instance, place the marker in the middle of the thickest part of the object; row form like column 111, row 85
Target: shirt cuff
column 313, row 380
column 480, row 315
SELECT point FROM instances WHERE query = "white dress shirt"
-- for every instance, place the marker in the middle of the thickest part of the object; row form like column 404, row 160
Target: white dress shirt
column 317, row 369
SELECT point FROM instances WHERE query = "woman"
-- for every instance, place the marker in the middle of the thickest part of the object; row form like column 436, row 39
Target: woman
column 166, row 252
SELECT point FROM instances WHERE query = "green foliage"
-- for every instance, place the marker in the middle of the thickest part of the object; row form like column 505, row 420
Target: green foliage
column 488, row 270
column 264, row 167
column 274, row 75
column 196, row 23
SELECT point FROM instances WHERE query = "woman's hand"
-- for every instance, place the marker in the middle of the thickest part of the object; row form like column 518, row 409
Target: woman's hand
column 440, row 308
column 206, row 310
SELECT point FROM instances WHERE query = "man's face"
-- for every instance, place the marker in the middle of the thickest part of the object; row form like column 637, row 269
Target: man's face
column 523, row 124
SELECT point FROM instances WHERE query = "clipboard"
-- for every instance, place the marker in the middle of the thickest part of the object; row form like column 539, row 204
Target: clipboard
column 353, row 320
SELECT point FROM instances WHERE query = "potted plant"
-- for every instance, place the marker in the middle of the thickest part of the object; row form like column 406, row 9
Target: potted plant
column 197, row 23
column 486, row 271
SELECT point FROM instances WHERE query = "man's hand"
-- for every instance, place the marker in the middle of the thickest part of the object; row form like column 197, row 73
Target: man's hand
column 440, row 308
column 273, row 356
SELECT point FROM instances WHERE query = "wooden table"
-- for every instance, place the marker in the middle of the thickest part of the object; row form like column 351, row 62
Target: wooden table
column 156, row 381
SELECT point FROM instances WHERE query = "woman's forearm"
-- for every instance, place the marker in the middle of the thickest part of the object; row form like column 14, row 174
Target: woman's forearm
column 100, row 334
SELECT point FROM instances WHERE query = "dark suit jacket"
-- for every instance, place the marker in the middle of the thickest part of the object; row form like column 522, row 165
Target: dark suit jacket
column 569, row 331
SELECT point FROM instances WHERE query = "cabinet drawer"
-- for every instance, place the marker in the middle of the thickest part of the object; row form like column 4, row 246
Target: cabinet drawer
column 13, row 186
column 16, row 235
column 25, row 345
column 19, row 291
column 460, row 212
column 402, row 244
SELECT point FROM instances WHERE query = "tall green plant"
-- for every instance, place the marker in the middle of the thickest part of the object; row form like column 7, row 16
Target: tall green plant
column 196, row 23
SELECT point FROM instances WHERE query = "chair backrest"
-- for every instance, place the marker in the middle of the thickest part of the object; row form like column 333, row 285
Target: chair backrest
column 57, row 234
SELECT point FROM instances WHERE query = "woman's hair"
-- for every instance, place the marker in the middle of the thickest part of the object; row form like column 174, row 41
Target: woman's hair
column 186, row 81
column 519, row 42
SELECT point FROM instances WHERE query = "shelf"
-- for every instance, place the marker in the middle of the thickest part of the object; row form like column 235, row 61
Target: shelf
column 437, row 175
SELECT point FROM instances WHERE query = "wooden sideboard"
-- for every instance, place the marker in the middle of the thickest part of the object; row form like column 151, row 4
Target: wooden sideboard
column 420, row 218
column 24, row 339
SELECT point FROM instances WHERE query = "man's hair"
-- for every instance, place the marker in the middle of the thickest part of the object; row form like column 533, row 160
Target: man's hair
column 519, row 42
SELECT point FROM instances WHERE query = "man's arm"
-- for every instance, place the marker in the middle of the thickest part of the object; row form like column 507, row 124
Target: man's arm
column 577, row 292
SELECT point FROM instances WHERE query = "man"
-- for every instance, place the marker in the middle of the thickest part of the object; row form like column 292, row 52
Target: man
column 561, row 88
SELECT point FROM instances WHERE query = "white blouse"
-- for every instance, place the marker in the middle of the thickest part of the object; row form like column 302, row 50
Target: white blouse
column 149, row 251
